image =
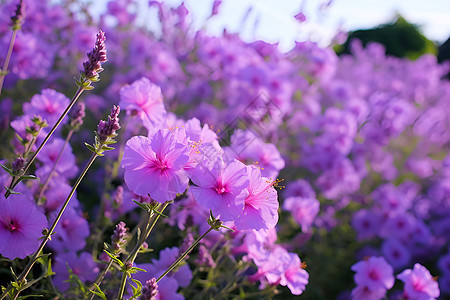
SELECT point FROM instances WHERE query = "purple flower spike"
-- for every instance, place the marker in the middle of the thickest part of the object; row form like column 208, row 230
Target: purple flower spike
column 76, row 115
column 149, row 290
column 119, row 236
column 19, row 15
column 107, row 129
column 18, row 165
column 93, row 66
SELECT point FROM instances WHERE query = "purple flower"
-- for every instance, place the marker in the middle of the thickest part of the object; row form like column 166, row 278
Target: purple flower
column 182, row 275
column 366, row 223
column 261, row 204
column 143, row 98
column 56, row 193
column 396, row 253
column 419, row 284
column 82, row 265
column 204, row 258
column 221, row 189
column 155, row 166
column 363, row 292
column 49, row 105
column 21, row 224
column 66, row 166
column 303, row 209
column 374, row 273
column 71, row 232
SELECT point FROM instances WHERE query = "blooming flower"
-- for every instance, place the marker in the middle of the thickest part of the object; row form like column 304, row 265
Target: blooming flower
column 419, row 284
column 155, row 166
column 71, row 231
column 374, row 273
column 21, row 224
column 50, row 104
column 261, row 204
column 221, row 189
column 303, row 209
column 144, row 99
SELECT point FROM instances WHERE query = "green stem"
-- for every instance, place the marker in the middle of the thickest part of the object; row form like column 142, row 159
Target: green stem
column 184, row 254
column 148, row 226
column 47, row 181
column 8, row 57
column 33, row 258
column 15, row 181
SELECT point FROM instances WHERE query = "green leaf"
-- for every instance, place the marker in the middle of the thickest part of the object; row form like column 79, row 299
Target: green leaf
column 134, row 270
column 114, row 258
column 90, row 147
column 26, row 177
column 136, row 289
column 106, row 148
column 141, row 205
column 99, row 292
column 11, row 191
column 29, row 296
column 7, row 170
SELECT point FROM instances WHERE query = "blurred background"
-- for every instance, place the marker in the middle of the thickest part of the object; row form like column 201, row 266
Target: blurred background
column 414, row 25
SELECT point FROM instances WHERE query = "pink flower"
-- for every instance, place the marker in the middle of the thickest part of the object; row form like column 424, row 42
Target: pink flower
column 155, row 166
column 221, row 189
column 49, row 105
column 144, row 99
column 281, row 267
column 374, row 273
column 261, row 204
column 303, row 209
column 21, row 224
column 419, row 284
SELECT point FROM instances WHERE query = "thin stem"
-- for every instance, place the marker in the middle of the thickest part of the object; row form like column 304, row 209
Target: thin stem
column 47, row 181
column 101, row 277
column 184, row 254
column 8, row 57
column 33, row 259
column 15, row 181
column 148, row 226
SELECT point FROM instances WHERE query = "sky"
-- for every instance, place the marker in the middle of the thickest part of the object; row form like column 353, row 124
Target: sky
column 273, row 20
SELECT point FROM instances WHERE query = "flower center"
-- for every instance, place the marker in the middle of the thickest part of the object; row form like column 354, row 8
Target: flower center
column 13, row 226
column 374, row 275
column 220, row 189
